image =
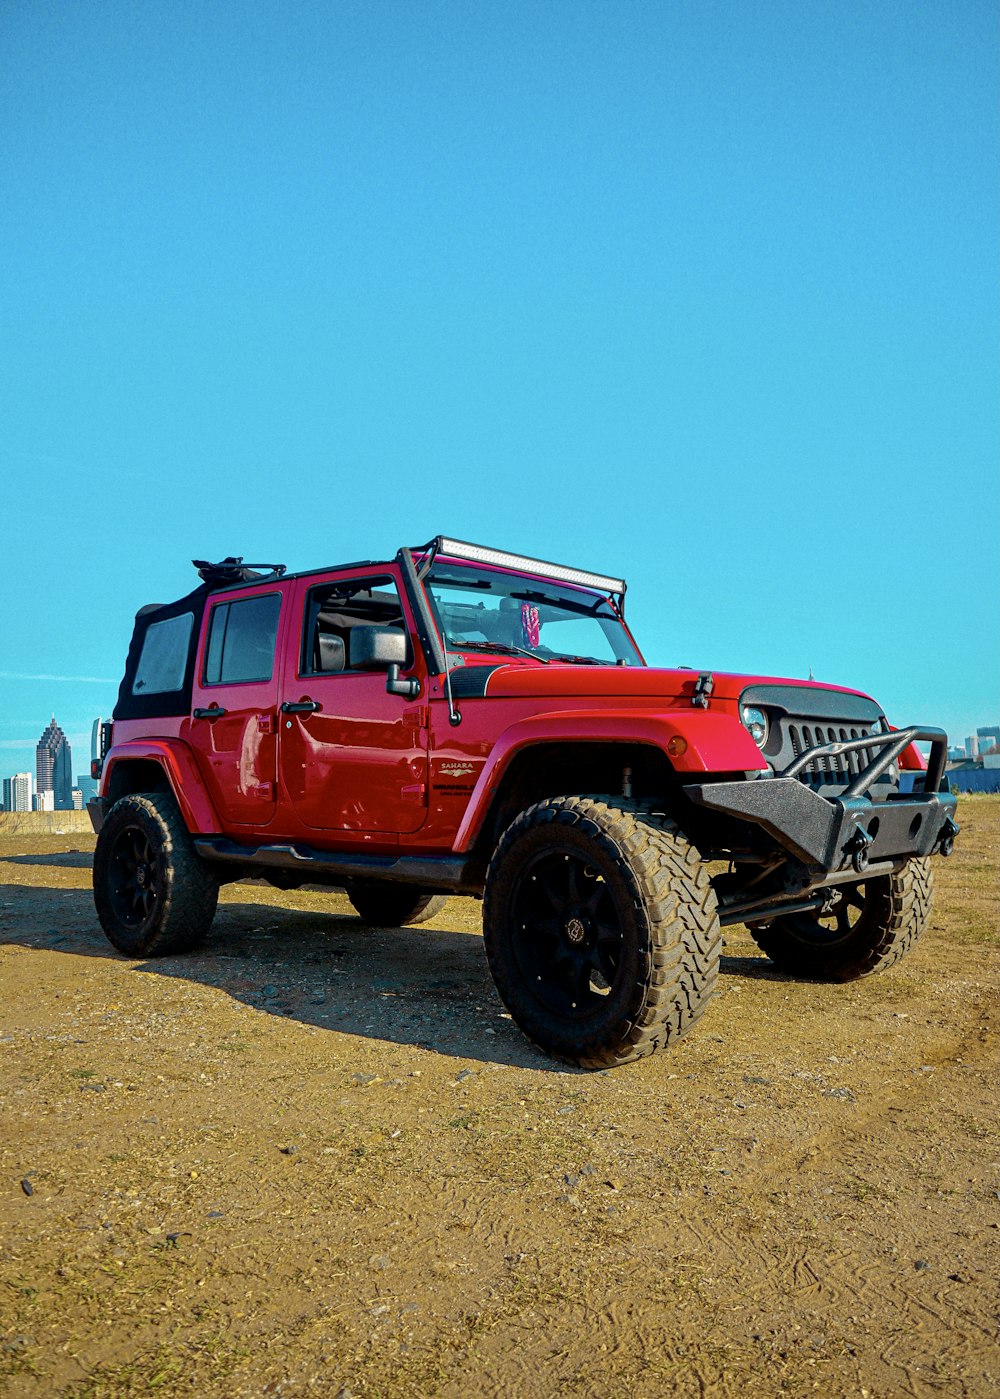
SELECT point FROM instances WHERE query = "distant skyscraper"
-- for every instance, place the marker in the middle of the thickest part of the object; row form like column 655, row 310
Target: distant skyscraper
column 54, row 767
column 18, row 792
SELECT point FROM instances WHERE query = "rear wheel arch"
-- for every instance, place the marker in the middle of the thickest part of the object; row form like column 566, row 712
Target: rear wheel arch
column 163, row 766
column 133, row 776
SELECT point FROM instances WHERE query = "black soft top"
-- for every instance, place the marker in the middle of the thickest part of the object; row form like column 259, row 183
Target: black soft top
column 139, row 706
column 228, row 573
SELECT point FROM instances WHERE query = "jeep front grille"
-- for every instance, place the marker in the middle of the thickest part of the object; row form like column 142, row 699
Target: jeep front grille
column 810, row 716
column 828, row 771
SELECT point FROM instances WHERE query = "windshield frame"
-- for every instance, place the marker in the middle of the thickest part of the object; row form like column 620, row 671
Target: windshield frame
column 567, row 597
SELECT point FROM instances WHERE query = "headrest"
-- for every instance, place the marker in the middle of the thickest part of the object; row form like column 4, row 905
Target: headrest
column 330, row 653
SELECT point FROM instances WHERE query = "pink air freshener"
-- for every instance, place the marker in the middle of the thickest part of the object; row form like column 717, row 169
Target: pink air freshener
column 530, row 625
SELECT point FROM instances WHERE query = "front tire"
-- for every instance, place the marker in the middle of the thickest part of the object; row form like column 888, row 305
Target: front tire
column 154, row 895
column 384, row 905
column 874, row 924
column 601, row 929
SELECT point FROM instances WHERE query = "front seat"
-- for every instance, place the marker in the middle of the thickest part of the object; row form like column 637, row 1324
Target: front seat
column 331, row 655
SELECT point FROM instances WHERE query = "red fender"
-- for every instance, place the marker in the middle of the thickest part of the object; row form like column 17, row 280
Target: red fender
column 912, row 760
column 715, row 743
column 177, row 761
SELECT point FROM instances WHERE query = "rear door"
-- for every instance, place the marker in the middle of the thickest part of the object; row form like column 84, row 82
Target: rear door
column 233, row 728
column 353, row 758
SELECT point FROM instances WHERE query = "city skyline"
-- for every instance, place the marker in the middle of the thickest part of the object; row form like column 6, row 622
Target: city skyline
column 51, row 782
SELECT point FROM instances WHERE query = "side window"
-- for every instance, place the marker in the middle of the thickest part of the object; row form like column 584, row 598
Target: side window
column 241, row 640
column 163, row 659
column 335, row 609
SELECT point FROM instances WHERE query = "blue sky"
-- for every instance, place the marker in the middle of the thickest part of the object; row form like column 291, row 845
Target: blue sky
column 699, row 292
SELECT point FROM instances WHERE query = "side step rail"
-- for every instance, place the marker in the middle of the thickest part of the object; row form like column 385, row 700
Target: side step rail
column 442, row 874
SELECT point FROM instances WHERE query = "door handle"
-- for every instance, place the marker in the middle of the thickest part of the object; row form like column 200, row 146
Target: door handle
column 214, row 713
column 302, row 707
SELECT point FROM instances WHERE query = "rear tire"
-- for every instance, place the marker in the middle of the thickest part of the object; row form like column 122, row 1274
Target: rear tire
column 154, row 896
column 875, row 923
column 601, row 928
column 384, row 905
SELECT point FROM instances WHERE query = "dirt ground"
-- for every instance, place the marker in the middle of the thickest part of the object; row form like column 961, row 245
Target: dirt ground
column 317, row 1159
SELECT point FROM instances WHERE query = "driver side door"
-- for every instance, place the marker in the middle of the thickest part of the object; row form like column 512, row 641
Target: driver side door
column 353, row 758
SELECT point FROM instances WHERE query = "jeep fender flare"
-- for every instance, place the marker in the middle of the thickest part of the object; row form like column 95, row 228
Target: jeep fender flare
column 714, row 742
column 181, row 773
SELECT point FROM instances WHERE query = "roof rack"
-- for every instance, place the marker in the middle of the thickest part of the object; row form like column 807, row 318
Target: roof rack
column 234, row 570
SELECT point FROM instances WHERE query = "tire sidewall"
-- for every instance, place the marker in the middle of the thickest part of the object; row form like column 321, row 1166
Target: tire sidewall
column 381, row 904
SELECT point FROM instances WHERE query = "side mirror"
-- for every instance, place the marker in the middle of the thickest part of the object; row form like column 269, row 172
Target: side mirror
column 388, row 649
column 377, row 648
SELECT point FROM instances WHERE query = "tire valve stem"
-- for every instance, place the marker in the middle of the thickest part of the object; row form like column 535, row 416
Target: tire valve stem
column 627, row 782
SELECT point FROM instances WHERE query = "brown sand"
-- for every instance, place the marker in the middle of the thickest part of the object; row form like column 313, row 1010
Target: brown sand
column 316, row 1159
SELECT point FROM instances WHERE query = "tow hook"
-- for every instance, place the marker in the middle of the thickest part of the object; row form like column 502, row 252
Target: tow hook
column 946, row 840
column 857, row 848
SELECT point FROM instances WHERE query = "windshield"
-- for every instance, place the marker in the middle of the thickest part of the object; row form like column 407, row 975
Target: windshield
column 478, row 609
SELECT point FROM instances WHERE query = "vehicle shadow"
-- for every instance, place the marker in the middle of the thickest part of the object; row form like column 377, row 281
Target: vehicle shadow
column 64, row 859
column 752, row 968
column 425, row 985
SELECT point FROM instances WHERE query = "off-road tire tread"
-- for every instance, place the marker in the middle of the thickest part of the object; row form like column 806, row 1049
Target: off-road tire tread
column 378, row 903
column 673, row 886
column 896, row 913
column 187, row 911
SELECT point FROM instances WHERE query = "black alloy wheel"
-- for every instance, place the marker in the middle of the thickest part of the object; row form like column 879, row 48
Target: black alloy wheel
column 135, row 881
column 566, row 937
column 154, row 895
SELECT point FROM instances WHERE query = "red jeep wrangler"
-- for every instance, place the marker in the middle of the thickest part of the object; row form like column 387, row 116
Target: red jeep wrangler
column 462, row 720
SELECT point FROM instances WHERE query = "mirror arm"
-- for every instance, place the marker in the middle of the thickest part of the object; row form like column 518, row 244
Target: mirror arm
column 408, row 688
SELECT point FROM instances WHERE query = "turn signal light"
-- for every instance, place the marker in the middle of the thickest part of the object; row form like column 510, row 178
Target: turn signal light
column 676, row 746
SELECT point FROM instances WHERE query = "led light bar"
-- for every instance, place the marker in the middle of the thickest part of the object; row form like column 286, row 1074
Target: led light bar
column 476, row 553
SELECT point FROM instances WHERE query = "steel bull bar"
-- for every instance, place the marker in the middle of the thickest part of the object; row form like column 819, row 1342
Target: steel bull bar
column 846, row 836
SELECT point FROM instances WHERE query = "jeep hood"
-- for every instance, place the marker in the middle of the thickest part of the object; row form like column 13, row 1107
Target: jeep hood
column 645, row 685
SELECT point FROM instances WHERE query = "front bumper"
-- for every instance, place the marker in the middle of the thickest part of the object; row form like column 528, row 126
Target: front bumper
column 97, row 810
column 847, row 835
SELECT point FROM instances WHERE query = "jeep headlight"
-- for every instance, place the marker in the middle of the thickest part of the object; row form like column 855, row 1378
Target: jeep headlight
column 755, row 723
